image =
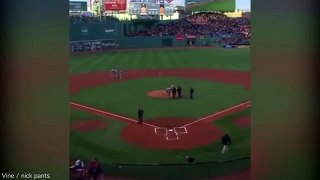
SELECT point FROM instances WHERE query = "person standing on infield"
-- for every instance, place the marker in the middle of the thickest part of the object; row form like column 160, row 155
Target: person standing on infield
column 174, row 91
column 179, row 91
column 225, row 141
column 191, row 93
column 140, row 115
column 120, row 74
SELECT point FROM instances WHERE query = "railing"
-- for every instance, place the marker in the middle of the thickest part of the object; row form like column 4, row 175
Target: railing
column 197, row 170
column 183, row 164
column 92, row 46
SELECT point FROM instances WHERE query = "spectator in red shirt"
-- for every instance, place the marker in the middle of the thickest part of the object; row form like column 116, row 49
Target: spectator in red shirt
column 94, row 169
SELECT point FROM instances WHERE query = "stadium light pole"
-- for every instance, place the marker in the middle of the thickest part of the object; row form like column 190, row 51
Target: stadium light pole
column 101, row 10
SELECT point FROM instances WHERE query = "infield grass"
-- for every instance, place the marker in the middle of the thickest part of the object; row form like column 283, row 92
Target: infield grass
column 124, row 98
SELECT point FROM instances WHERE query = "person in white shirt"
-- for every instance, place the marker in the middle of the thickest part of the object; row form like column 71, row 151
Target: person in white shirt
column 78, row 165
column 120, row 74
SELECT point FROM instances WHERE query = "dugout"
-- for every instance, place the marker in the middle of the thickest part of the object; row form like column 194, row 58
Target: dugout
column 191, row 40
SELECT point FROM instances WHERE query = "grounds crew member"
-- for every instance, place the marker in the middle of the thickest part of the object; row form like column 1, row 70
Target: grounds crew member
column 179, row 91
column 225, row 141
column 140, row 115
column 189, row 159
column 191, row 93
column 120, row 74
column 174, row 91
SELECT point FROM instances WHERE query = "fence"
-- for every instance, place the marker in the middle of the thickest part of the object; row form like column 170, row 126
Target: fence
column 91, row 37
column 79, row 47
column 197, row 170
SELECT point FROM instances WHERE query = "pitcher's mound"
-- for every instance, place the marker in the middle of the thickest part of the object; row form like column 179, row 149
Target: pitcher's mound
column 88, row 125
column 158, row 94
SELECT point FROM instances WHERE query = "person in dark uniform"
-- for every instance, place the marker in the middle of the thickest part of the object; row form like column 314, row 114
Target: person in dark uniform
column 189, row 159
column 225, row 141
column 140, row 115
column 179, row 91
column 174, row 91
column 191, row 93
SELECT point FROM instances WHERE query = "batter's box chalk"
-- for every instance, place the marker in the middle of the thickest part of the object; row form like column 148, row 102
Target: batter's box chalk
column 172, row 135
column 160, row 130
column 181, row 130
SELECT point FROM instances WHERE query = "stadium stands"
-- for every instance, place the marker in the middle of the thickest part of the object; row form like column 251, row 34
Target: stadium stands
column 232, row 31
column 226, row 30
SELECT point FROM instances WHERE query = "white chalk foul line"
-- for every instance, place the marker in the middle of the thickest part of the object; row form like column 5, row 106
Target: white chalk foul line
column 185, row 130
column 247, row 103
column 110, row 114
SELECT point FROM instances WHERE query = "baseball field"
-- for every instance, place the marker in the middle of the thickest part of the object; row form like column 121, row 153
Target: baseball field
column 103, row 114
column 214, row 5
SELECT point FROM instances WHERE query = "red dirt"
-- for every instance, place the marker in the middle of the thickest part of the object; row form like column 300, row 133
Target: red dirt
column 199, row 134
column 145, row 137
column 87, row 80
column 242, row 121
column 158, row 94
column 88, row 125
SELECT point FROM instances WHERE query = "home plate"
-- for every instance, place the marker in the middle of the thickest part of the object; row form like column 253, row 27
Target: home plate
column 172, row 135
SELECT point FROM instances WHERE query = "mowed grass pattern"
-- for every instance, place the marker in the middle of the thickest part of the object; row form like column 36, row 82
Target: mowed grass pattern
column 124, row 98
column 216, row 5
column 218, row 58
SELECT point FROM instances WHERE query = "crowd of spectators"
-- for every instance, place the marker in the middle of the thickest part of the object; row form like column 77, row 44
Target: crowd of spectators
column 93, row 170
column 227, row 30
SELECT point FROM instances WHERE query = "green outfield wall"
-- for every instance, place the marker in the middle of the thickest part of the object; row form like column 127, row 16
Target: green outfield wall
column 85, row 37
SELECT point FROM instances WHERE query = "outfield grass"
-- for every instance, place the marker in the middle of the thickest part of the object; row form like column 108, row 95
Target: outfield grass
column 124, row 98
column 219, row 58
column 217, row 5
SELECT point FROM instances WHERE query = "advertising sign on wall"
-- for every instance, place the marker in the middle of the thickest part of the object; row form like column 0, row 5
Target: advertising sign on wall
column 191, row 36
column 77, row 6
column 179, row 37
column 116, row 5
column 108, row 44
